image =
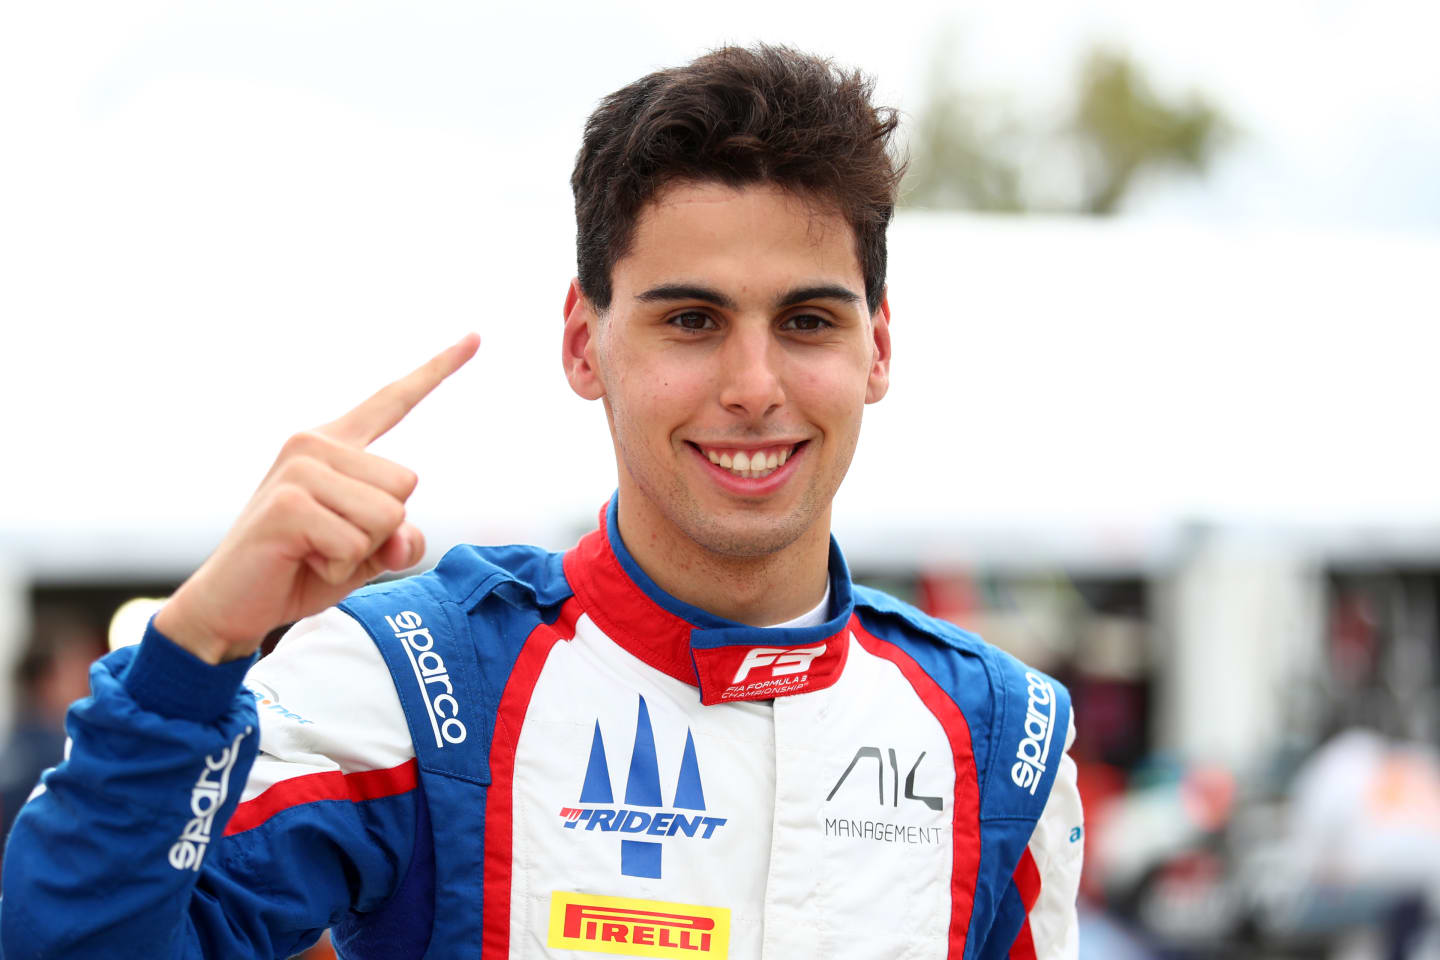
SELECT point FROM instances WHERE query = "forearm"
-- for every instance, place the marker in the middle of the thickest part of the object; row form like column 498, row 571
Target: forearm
column 105, row 857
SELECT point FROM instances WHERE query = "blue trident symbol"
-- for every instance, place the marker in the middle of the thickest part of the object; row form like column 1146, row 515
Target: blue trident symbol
column 641, row 858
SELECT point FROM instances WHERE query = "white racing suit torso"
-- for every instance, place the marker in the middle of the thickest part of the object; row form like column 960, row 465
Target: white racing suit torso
column 524, row 754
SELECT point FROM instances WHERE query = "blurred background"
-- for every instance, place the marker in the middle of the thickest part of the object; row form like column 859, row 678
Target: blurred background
column 1162, row 421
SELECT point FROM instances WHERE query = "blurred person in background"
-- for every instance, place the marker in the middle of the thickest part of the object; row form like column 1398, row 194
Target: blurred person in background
column 691, row 733
column 1363, row 836
column 53, row 673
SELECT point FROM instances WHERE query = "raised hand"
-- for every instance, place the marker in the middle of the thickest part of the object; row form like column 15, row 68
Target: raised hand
column 327, row 518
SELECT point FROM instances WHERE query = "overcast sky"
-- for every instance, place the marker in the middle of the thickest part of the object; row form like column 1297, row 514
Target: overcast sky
column 1338, row 103
column 223, row 222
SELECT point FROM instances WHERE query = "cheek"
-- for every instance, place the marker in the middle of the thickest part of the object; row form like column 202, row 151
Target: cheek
column 652, row 398
column 667, row 380
column 835, row 390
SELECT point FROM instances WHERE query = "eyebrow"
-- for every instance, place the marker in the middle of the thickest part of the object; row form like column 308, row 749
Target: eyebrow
column 824, row 291
column 685, row 291
column 695, row 291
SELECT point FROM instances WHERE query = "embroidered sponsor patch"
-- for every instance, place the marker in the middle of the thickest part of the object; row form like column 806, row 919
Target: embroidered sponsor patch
column 436, row 690
column 268, row 700
column 209, row 794
column 873, row 753
column 641, row 816
column 740, row 672
column 1034, row 750
column 918, row 819
column 637, row 928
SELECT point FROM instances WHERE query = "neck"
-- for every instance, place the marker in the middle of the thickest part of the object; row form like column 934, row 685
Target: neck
column 754, row 590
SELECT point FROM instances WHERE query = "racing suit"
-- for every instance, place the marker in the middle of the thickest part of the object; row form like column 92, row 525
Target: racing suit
column 530, row 754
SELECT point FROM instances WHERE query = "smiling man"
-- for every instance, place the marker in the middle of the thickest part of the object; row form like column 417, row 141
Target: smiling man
column 734, row 359
column 691, row 735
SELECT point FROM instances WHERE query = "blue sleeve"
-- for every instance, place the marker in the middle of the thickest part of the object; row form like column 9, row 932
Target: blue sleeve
column 121, row 852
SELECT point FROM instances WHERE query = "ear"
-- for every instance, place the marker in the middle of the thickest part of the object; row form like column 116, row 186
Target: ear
column 577, row 345
column 879, row 381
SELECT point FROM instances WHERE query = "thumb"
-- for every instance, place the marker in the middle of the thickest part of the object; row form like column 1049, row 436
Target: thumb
column 404, row 548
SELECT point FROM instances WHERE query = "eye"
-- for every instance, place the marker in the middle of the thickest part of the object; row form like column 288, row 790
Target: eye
column 806, row 322
column 693, row 320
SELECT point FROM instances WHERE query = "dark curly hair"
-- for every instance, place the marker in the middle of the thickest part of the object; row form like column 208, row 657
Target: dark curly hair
column 736, row 116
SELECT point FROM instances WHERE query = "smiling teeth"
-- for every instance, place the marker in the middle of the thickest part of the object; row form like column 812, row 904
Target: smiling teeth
column 752, row 465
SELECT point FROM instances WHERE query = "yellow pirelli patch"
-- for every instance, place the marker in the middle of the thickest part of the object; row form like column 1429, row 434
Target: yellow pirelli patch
column 637, row 928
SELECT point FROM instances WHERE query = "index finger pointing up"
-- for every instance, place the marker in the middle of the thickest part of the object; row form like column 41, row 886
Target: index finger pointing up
column 387, row 407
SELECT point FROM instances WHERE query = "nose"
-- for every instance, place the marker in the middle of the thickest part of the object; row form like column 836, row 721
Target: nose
column 750, row 370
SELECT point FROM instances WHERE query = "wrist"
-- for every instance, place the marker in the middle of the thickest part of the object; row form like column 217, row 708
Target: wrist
column 184, row 628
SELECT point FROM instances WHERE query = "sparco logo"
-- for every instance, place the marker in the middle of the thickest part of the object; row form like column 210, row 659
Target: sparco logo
column 430, row 673
column 1034, row 749
column 785, row 661
column 206, row 798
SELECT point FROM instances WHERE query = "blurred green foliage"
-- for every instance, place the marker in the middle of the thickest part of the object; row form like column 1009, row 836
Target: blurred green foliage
column 971, row 151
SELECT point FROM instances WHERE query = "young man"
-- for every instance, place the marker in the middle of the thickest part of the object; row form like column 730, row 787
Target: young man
column 689, row 736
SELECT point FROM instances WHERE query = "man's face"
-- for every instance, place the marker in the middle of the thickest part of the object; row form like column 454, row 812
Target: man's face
column 735, row 361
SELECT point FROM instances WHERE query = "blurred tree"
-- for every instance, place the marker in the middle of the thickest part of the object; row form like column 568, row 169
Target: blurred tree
column 956, row 160
column 1129, row 128
column 971, row 152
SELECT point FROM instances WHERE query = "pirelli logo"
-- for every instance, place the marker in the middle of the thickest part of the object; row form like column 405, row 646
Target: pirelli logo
column 637, row 928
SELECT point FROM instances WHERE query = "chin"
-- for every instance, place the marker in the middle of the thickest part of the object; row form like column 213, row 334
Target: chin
column 743, row 536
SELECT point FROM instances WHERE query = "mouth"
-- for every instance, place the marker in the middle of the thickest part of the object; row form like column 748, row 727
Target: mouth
column 751, row 463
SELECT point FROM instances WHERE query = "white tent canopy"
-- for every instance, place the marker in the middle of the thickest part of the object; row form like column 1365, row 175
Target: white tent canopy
column 1067, row 390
